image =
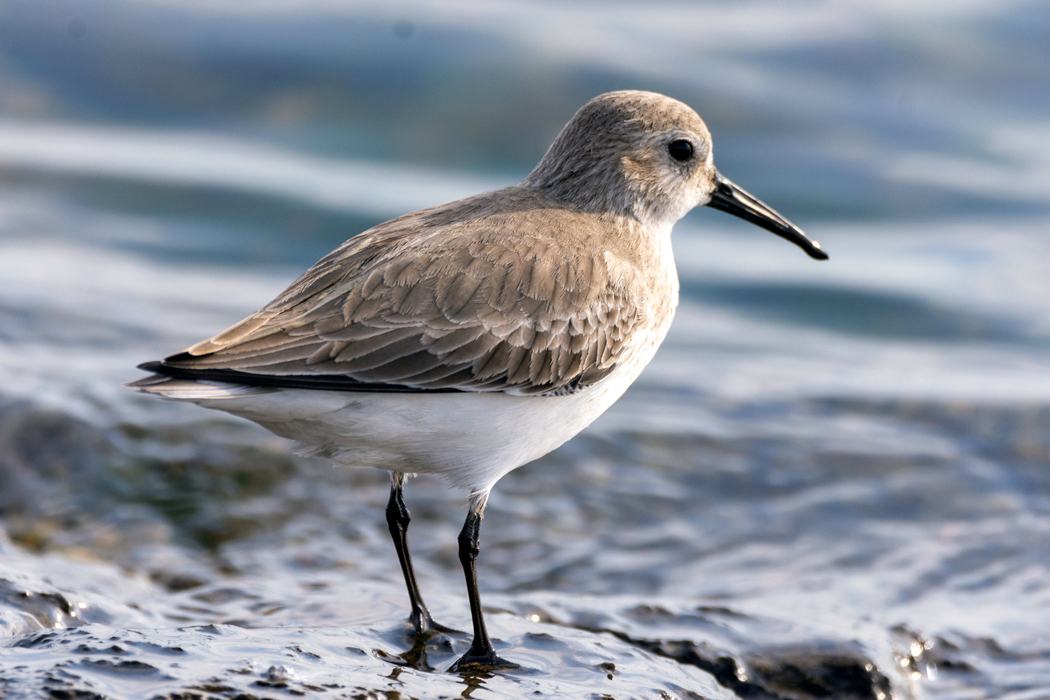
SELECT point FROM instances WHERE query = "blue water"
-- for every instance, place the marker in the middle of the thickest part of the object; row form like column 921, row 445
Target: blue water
column 831, row 482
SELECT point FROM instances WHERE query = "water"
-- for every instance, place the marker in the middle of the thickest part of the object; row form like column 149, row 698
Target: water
column 831, row 482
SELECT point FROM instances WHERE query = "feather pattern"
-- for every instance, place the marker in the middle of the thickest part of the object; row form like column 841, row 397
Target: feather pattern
column 487, row 294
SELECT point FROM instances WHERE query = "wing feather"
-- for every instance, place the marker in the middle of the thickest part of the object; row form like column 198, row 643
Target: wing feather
column 474, row 305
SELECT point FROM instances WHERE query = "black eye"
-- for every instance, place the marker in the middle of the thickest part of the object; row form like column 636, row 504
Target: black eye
column 681, row 150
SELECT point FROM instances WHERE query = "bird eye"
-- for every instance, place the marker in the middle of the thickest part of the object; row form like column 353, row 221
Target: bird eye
column 681, row 150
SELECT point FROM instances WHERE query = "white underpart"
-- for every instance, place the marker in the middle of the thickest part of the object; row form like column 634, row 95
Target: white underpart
column 470, row 438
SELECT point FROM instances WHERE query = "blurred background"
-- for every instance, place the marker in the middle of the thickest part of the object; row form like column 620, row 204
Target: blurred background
column 832, row 481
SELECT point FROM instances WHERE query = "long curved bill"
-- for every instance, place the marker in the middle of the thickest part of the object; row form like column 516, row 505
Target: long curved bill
column 739, row 202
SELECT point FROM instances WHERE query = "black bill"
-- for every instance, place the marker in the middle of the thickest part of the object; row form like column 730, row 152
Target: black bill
column 739, row 202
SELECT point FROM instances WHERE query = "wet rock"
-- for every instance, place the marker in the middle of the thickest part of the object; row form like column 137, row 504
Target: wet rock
column 34, row 609
column 817, row 673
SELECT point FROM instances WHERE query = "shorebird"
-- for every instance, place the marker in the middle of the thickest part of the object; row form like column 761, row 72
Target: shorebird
column 468, row 339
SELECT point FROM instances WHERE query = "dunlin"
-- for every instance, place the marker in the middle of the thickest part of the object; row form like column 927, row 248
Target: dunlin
column 471, row 338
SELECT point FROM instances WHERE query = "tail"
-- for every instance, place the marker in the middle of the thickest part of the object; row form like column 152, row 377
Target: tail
column 195, row 389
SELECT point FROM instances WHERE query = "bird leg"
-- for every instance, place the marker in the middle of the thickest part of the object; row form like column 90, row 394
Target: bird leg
column 397, row 519
column 481, row 654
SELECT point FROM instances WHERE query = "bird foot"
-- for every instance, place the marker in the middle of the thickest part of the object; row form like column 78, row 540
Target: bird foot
column 486, row 660
column 424, row 625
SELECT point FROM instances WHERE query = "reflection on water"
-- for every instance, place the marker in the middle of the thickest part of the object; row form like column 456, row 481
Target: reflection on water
column 830, row 483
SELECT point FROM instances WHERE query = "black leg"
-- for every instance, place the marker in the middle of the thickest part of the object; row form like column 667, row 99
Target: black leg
column 397, row 519
column 481, row 654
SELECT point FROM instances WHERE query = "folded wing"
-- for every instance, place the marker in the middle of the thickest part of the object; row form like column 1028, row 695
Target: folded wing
column 480, row 305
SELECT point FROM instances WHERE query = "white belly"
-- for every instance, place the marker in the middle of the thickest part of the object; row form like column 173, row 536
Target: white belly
column 472, row 439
